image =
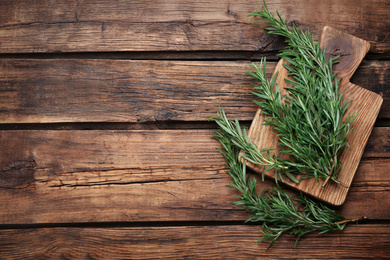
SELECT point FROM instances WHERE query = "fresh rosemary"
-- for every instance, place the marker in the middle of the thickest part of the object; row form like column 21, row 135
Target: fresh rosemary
column 279, row 212
column 310, row 126
column 309, row 121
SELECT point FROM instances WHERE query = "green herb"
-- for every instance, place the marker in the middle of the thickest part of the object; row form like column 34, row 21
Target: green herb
column 310, row 128
column 249, row 151
column 309, row 121
column 279, row 212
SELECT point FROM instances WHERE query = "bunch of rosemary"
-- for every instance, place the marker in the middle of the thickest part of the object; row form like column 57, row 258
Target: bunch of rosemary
column 275, row 208
column 309, row 121
column 310, row 128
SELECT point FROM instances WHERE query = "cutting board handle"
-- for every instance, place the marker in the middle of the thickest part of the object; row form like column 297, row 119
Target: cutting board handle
column 351, row 49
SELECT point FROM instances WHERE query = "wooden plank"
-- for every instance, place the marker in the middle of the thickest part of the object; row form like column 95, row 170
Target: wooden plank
column 74, row 26
column 194, row 242
column 378, row 144
column 382, row 76
column 369, row 191
column 92, row 176
column 53, row 91
column 102, row 176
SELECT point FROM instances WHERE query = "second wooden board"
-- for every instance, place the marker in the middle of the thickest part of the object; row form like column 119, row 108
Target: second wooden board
column 365, row 103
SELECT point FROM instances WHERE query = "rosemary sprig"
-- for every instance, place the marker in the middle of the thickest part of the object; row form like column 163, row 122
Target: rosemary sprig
column 309, row 125
column 250, row 152
column 309, row 121
column 279, row 212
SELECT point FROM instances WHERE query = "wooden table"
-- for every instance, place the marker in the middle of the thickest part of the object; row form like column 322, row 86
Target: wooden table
column 106, row 147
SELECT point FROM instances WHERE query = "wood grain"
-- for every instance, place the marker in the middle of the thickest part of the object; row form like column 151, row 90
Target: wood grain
column 127, row 176
column 74, row 26
column 365, row 104
column 192, row 242
column 378, row 143
column 96, row 191
column 350, row 50
column 76, row 90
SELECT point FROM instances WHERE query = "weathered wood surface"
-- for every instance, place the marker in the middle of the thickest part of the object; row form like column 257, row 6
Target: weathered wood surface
column 69, row 90
column 191, row 242
column 66, row 65
column 131, row 175
column 349, row 50
column 74, row 26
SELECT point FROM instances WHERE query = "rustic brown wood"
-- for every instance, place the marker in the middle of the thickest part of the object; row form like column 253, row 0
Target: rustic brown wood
column 194, row 242
column 349, row 49
column 369, row 191
column 378, row 144
column 380, row 86
column 74, row 185
column 102, row 176
column 68, row 90
column 365, row 104
column 74, row 26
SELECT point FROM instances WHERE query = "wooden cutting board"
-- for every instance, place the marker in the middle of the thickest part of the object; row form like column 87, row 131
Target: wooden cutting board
column 366, row 103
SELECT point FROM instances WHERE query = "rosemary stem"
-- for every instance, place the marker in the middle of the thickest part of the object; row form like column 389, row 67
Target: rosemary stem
column 350, row 220
column 330, row 172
